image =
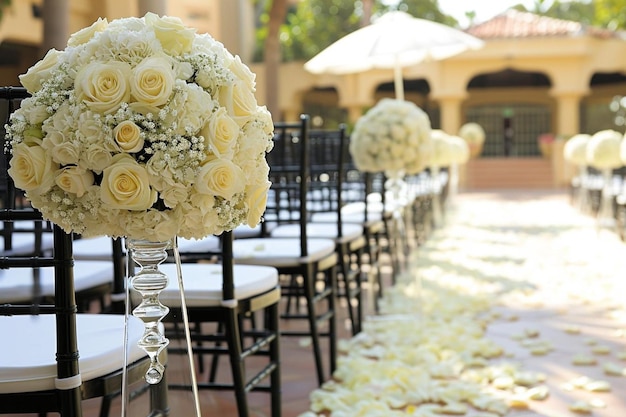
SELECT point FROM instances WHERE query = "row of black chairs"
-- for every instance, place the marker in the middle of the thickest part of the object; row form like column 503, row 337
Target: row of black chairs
column 319, row 246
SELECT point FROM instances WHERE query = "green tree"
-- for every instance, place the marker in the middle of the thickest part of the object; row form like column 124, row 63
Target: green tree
column 316, row 24
column 427, row 9
column 313, row 25
column 582, row 12
column 610, row 14
column 3, row 5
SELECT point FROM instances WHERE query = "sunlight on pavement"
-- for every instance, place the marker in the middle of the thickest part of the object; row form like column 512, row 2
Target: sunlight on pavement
column 512, row 308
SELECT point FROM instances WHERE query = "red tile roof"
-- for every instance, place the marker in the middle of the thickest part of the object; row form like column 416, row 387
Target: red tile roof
column 516, row 24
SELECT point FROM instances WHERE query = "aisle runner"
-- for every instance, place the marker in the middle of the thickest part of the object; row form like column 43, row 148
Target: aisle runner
column 512, row 309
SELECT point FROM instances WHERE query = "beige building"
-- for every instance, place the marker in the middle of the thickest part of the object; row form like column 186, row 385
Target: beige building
column 535, row 75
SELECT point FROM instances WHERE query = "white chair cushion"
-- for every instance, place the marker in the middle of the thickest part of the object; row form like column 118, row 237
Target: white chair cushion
column 16, row 284
column 280, row 252
column 93, row 248
column 349, row 231
column 205, row 245
column 23, row 243
column 350, row 213
column 203, row 283
column 27, row 363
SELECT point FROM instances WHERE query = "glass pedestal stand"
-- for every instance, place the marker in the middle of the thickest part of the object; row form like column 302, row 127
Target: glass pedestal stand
column 149, row 282
column 436, row 195
column 396, row 185
column 605, row 216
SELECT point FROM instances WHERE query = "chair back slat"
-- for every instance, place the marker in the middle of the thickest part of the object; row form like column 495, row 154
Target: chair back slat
column 290, row 177
column 61, row 260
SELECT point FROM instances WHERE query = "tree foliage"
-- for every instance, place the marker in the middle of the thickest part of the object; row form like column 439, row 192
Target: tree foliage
column 3, row 5
column 312, row 25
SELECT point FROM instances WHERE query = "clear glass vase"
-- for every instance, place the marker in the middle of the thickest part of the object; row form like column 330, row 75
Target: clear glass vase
column 149, row 281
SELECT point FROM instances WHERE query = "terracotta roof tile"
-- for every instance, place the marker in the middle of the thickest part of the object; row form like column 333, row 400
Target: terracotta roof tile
column 516, row 24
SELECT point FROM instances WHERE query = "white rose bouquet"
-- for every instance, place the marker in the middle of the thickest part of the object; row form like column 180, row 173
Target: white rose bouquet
column 474, row 135
column 575, row 149
column 142, row 128
column 448, row 150
column 393, row 136
column 603, row 150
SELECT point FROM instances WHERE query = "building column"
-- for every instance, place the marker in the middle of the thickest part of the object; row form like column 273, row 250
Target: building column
column 568, row 112
column 567, row 124
column 450, row 113
column 354, row 113
column 55, row 25
column 155, row 6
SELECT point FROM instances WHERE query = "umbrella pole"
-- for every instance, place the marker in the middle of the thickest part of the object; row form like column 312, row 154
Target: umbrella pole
column 398, row 82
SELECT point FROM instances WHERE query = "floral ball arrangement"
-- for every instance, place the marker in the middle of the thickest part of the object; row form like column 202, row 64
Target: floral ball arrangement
column 447, row 150
column 460, row 150
column 142, row 128
column 575, row 149
column 603, row 150
column 474, row 135
column 622, row 150
column 393, row 136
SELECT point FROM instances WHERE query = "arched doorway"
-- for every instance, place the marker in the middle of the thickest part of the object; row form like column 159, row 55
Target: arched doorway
column 322, row 104
column 514, row 108
column 605, row 107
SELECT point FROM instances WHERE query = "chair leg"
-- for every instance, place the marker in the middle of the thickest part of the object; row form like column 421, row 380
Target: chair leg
column 332, row 320
column 309, row 289
column 216, row 357
column 351, row 289
column 233, row 340
column 274, row 352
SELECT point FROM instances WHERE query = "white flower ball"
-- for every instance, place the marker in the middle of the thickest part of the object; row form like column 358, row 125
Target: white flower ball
column 442, row 149
column 460, row 150
column 622, row 150
column 575, row 149
column 472, row 133
column 603, row 149
column 394, row 135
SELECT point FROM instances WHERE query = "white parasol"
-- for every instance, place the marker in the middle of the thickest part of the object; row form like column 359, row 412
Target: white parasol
column 393, row 41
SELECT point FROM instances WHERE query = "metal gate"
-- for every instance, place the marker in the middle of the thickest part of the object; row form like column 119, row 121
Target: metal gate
column 511, row 129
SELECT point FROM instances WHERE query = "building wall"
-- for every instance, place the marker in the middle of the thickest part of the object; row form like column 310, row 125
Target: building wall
column 568, row 62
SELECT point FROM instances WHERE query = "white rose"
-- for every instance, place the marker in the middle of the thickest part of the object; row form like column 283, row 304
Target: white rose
column 126, row 185
column 256, row 200
column 174, row 194
column 74, row 180
column 221, row 132
column 152, row 81
column 174, row 36
column 41, row 71
column 239, row 101
column 84, row 35
column 33, row 113
column 31, row 168
column 221, row 178
column 242, row 72
column 91, row 130
column 128, row 136
column 103, row 87
column 62, row 151
column 96, row 158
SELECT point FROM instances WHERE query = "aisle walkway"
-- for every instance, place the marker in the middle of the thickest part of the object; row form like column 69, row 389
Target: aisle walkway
column 515, row 307
column 497, row 307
